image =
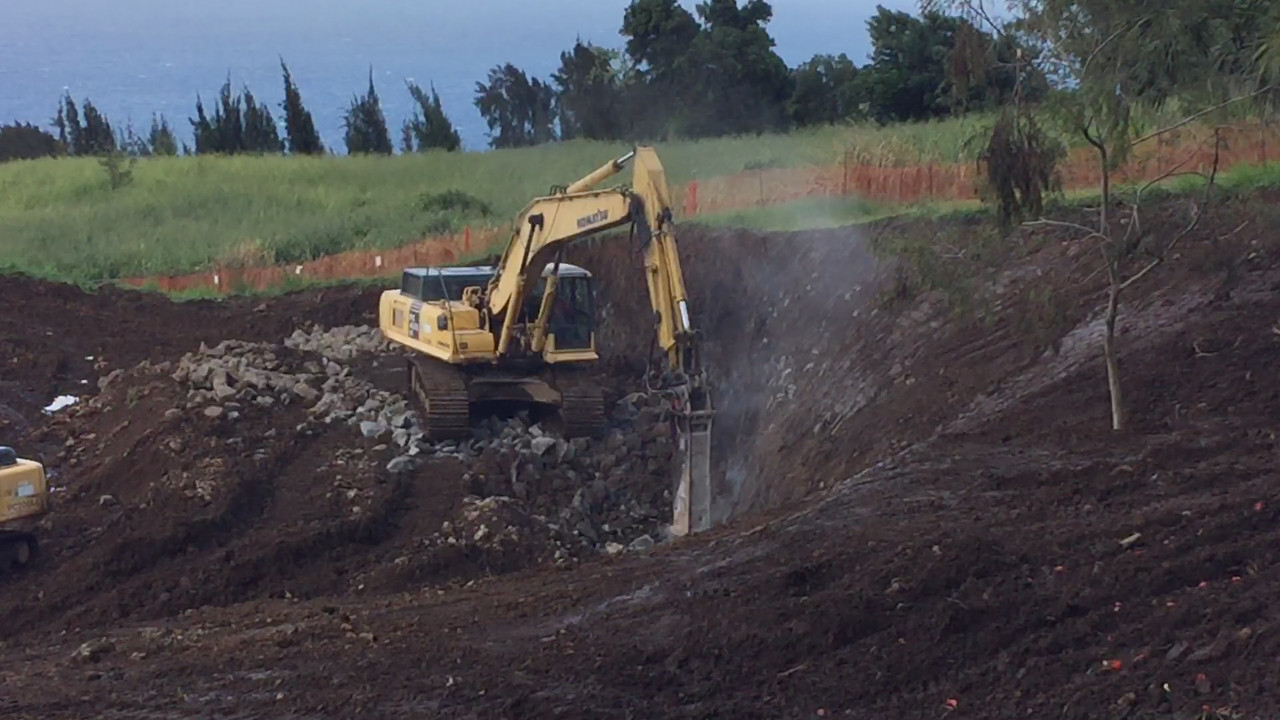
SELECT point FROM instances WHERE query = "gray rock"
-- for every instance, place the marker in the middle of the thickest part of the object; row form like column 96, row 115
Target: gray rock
column 213, row 411
column 599, row 490
column 585, row 530
column 640, row 544
column 92, row 651
column 373, row 430
column 401, row 464
column 305, row 391
column 111, row 377
column 199, row 375
column 541, row 444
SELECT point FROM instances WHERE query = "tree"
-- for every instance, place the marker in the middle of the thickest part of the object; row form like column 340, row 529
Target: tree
column 23, row 141
column 744, row 80
column 406, row 138
column 206, row 137
column 429, row 127
column 711, row 74
column 260, row 132
column 239, row 125
column 161, row 138
column 131, row 144
column 366, row 126
column 661, row 94
column 826, row 91
column 1112, row 59
column 300, row 129
column 93, row 136
column 518, row 111
column 588, row 93
column 67, row 121
column 659, row 34
column 907, row 78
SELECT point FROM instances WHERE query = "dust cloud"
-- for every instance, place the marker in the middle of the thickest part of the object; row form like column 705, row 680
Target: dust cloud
column 782, row 308
column 776, row 312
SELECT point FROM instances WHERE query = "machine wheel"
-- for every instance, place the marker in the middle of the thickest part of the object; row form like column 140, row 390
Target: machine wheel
column 440, row 392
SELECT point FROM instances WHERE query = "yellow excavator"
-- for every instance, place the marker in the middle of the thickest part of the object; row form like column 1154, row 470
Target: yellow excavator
column 523, row 333
column 24, row 495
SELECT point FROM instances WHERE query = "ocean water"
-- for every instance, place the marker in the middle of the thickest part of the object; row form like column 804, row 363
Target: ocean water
column 134, row 58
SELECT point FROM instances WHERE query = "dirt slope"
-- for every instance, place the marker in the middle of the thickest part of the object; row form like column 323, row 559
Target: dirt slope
column 59, row 339
column 935, row 522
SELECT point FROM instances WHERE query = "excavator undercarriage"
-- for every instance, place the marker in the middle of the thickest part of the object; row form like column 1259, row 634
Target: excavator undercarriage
column 448, row 397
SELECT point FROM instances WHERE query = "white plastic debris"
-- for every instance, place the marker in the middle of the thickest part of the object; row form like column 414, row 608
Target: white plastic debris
column 60, row 402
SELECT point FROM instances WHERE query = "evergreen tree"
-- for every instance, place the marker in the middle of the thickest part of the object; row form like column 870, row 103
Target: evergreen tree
column 300, row 129
column 366, row 126
column 130, row 143
column 588, row 93
column 27, row 142
column 260, row 132
column 406, row 137
column 161, row 138
column 206, row 137
column 240, row 124
column 519, row 111
column 93, row 136
column 429, row 127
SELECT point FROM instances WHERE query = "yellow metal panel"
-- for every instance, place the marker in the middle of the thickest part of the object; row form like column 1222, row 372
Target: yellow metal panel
column 24, row 491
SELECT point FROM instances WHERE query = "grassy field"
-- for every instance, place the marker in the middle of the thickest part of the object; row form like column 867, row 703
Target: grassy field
column 62, row 219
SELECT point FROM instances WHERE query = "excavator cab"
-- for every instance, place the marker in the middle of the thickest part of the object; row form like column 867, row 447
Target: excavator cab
column 571, row 321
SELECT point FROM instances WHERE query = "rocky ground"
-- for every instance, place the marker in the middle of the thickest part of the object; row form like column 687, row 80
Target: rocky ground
column 933, row 519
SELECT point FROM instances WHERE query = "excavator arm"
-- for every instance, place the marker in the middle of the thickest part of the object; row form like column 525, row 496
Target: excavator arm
column 550, row 223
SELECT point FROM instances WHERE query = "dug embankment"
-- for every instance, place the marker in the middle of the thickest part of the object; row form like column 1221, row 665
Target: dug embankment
column 931, row 515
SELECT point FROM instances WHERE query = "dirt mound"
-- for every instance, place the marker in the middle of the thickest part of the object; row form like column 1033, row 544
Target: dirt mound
column 246, row 470
column 973, row 540
column 59, row 339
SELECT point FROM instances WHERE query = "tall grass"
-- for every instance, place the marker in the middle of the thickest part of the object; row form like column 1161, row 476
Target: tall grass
column 61, row 219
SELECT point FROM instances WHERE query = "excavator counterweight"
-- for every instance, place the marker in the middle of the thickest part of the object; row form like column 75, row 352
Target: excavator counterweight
column 24, row 496
column 522, row 333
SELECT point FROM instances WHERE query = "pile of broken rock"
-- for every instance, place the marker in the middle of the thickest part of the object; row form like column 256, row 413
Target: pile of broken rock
column 605, row 494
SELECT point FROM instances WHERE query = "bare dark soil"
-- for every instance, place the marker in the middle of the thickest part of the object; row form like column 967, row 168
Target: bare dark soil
column 933, row 518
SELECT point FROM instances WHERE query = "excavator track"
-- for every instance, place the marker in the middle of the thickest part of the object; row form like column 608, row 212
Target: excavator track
column 17, row 550
column 582, row 409
column 440, row 393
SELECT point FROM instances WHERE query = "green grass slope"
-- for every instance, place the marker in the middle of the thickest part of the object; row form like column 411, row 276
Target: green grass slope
column 61, row 218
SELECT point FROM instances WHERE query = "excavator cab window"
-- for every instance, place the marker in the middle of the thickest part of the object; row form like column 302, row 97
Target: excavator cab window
column 411, row 284
column 434, row 287
column 573, row 313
